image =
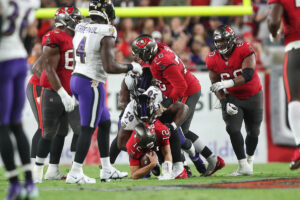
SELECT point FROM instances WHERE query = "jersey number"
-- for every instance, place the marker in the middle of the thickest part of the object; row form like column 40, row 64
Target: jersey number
column 80, row 51
column 69, row 60
column 177, row 59
column 12, row 20
column 235, row 73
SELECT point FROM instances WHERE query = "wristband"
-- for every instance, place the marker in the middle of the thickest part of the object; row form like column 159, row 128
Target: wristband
column 173, row 124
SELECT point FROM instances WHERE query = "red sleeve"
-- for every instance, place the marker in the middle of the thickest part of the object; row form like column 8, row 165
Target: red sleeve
column 176, row 79
column 50, row 39
column 134, row 162
column 162, row 133
column 246, row 50
column 210, row 63
column 274, row 1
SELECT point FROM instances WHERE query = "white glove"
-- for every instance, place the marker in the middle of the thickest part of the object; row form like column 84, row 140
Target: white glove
column 136, row 68
column 231, row 109
column 166, row 171
column 66, row 99
column 217, row 104
column 221, row 85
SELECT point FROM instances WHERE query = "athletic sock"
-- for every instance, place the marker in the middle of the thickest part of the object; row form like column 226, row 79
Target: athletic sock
column 105, row 162
column 34, row 142
column 103, row 138
column 83, row 143
column 251, row 144
column 114, row 150
column 76, row 168
column 56, row 149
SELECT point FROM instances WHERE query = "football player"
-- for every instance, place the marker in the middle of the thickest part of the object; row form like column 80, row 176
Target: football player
column 236, row 84
column 33, row 92
column 147, row 138
column 177, row 83
column 18, row 18
column 55, row 98
column 94, row 43
column 289, row 12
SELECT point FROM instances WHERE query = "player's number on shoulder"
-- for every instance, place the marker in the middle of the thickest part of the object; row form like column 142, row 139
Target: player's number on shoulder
column 225, row 76
column 69, row 60
column 177, row 59
column 80, row 51
column 12, row 20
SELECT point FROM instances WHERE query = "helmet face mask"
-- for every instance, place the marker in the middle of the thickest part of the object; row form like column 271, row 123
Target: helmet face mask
column 144, row 47
column 144, row 138
column 224, row 39
column 144, row 108
column 102, row 8
column 68, row 17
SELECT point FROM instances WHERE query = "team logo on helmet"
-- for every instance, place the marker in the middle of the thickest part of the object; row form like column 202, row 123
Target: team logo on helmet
column 66, row 10
column 143, row 42
column 229, row 30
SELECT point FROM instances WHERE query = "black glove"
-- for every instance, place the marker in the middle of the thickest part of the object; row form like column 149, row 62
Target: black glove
column 172, row 126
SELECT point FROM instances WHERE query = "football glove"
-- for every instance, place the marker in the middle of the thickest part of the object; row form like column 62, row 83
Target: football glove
column 135, row 67
column 67, row 100
column 221, row 85
column 229, row 108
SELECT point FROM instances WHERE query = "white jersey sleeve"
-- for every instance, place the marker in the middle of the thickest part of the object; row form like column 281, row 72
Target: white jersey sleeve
column 87, row 46
column 129, row 120
column 129, row 80
column 154, row 93
column 17, row 15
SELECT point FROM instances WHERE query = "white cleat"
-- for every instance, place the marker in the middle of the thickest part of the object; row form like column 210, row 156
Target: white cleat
column 250, row 162
column 107, row 174
column 80, row 179
column 38, row 173
column 242, row 171
column 54, row 175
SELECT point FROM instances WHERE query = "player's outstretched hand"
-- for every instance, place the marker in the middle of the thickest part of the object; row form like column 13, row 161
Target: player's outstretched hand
column 221, row 85
column 136, row 68
column 231, row 109
column 66, row 99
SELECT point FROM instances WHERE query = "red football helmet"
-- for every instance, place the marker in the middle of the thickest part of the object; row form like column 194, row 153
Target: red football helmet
column 68, row 17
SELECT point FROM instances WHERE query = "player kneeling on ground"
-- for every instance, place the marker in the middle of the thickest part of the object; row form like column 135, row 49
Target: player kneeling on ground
column 141, row 147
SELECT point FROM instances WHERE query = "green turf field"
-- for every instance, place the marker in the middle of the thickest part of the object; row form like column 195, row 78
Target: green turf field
column 150, row 189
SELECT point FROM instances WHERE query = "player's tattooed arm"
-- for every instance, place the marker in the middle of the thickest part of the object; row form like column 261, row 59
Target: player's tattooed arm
column 214, row 78
column 124, row 96
column 274, row 18
column 37, row 67
column 50, row 60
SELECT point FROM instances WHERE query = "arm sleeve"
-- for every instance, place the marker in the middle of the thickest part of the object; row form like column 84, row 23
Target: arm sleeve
column 173, row 75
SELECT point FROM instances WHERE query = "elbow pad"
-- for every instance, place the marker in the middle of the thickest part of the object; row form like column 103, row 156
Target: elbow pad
column 248, row 74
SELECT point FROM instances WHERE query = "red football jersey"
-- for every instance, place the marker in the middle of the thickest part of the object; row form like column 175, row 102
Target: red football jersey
column 232, row 68
column 63, row 41
column 291, row 19
column 162, row 139
column 175, row 80
column 34, row 80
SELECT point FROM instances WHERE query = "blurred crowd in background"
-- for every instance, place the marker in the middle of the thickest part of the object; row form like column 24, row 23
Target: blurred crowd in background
column 190, row 37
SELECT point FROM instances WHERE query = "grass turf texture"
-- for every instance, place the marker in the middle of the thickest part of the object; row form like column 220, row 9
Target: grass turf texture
column 145, row 189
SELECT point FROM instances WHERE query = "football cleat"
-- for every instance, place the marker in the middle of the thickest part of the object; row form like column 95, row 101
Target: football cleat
column 156, row 170
column 54, row 175
column 183, row 174
column 198, row 162
column 79, row 179
column 212, row 168
column 16, row 191
column 38, row 173
column 243, row 170
column 295, row 164
column 107, row 174
column 188, row 171
column 31, row 190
